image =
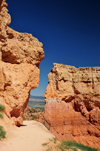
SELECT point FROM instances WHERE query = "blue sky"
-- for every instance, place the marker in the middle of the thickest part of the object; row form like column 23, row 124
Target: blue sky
column 68, row 29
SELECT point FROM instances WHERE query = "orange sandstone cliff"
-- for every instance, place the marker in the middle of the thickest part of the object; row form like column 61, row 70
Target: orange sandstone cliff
column 72, row 109
column 20, row 56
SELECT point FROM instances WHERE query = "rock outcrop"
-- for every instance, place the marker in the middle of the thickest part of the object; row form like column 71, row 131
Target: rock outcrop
column 20, row 56
column 72, row 109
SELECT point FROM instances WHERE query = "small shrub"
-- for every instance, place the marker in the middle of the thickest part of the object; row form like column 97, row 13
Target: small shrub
column 2, row 108
column 1, row 115
column 2, row 132
column 34, row 117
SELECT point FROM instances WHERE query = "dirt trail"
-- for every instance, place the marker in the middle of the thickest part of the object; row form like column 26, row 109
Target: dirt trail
column 28, row 137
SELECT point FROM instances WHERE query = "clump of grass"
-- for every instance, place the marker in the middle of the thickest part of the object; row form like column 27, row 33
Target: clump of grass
column 66, row 145
column 2, row 108
column 75, row 149
column 53, row 140
column 34, row 117
column 62, row 147
column 2, row 132
column 49, row 149
column 44, row 144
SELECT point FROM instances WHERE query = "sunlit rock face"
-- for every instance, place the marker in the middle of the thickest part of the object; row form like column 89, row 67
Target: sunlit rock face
column 72, row 104
column 20, row 56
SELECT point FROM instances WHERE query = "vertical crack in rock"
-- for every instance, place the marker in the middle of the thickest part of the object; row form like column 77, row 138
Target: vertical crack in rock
column 76, row 116
column 20, row 56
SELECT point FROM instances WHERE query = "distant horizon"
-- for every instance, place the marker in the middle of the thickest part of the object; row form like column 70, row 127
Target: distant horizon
column 36, row 95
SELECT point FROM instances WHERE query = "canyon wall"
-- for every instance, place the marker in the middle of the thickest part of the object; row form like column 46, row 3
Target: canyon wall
column 20, row 56
column 72, row 104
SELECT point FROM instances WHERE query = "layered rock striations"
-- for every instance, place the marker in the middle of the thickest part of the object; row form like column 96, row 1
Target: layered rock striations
column 72, row 109
column 20, row 56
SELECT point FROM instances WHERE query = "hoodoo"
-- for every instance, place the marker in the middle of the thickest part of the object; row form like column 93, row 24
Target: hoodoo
column 72, row 109
column 20, row 56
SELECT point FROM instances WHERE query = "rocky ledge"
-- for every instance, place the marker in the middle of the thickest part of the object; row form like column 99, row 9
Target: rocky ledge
column 20, row 56
column 72, row 109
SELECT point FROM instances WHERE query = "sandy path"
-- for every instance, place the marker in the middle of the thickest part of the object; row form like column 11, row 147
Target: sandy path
column 29, row 137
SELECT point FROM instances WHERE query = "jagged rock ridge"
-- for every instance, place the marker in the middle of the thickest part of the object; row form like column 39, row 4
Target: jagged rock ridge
column 72, row 109
column 20, row 56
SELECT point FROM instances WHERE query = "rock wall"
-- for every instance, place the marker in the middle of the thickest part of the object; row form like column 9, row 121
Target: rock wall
column 20, row 56
column 72, row 109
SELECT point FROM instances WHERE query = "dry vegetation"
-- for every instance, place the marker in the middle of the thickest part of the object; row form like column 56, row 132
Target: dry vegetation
column 55, row 145
column 2, row 132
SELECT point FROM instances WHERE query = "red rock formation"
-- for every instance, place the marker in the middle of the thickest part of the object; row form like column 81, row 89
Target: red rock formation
column 72, row 109
column 20, row 56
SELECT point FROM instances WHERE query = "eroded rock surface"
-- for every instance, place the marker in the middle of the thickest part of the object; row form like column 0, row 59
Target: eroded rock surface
column 20, row 56
column 72, row 109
